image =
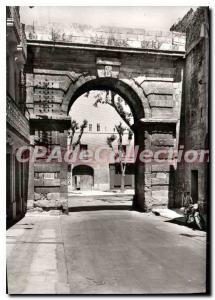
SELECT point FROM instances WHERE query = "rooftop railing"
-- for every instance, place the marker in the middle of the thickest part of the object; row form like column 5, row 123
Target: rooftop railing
column 117, row 37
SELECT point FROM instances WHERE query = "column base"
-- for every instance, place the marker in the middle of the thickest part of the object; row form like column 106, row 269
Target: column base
column 140, row 204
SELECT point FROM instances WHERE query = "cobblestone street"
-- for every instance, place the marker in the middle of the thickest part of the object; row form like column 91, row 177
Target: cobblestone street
column 104, row 251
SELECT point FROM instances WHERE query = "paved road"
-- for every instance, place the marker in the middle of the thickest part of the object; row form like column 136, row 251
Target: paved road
column 104, row 251
column 99, row 202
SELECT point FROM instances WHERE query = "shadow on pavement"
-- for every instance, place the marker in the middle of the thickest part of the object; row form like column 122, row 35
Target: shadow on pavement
column 181, row 221
column 100, row 207
column 11, row 222
column 191, row 235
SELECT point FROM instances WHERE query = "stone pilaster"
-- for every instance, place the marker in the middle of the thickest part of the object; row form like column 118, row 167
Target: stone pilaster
column 64, row 173
column 142, row 198
column 154, row 180
column 30, row 200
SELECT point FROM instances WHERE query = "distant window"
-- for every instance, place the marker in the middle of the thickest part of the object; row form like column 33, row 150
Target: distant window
column 117, row 169
column 83, row 147
column 123, row 149
column 49, row 175
column 83, row 150
column 98, row 127
column 90, row 127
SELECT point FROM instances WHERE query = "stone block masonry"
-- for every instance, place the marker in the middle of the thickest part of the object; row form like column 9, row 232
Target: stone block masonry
column 144, row 68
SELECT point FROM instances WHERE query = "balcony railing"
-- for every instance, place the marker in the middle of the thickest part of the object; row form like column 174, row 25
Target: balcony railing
column 16, row 118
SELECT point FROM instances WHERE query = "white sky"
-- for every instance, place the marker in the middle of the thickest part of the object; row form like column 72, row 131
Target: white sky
column 146, row 17
column 149, row 18
column 103, row 114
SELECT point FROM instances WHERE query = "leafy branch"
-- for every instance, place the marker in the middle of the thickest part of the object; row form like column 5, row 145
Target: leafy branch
column 120, row 155
column 112, row 99
column 73, row 129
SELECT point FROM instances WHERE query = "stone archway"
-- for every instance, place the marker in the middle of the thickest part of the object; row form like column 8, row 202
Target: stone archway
column 138, row 103
column 153, row 181
column 127, row 89
column 150, row 83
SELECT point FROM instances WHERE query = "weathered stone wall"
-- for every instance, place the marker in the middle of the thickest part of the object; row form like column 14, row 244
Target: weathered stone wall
column 150, row 82
column 194, row 117
column 16, row 118
column 107, row 36
column 158, row 176
column 49, row 134
column 183, row 24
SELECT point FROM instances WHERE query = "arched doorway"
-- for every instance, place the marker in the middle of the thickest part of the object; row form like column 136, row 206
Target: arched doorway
column 82, row 177
column 139, row 108
column 153, row 95
column 136, row 100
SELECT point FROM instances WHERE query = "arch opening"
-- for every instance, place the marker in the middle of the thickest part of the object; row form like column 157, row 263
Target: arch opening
column 115, row 85
column 107, row 174
column 83, row 177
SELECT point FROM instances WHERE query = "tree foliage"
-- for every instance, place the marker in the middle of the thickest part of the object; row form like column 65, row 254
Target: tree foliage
column 75, row 127
column 120, row 155
column 112, row 99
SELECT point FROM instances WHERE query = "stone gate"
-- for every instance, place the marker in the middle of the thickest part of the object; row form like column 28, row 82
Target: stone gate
column 144, row 68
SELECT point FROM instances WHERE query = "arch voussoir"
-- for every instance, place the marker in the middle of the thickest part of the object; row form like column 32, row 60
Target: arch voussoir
column 140, row 92
column 74, row 86
column 126, row 89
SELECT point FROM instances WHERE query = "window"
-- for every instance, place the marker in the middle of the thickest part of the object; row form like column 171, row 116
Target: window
column 98, row 127
column 124, row 147
column 83, row 150
column 83, row 147
column 48, row 175
column 90, row 127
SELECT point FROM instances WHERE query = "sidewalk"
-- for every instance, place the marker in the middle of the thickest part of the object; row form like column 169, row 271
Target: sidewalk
column 168, row 213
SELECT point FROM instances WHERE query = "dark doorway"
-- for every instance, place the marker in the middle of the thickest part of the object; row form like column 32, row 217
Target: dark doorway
column 18, row 188
column 83, row 177
column 8, row 183
column 194, row 186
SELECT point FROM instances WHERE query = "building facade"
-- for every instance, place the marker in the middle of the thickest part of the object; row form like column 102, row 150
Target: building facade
column 104, row 173
column 165, row 85
column 93, row 165
column 17, row 116
column 96, row 167
column 193, row 176
column 143, row 67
